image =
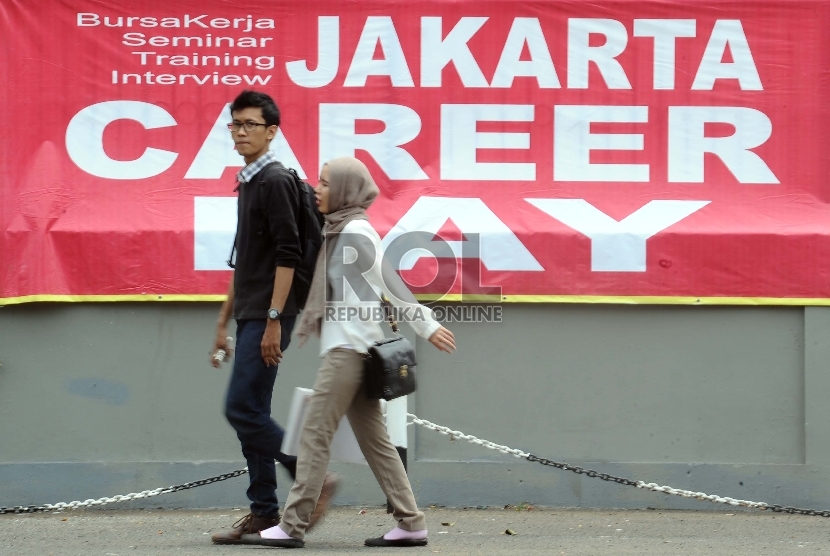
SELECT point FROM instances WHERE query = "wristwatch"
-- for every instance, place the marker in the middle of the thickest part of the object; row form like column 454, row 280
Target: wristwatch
column 273, row 314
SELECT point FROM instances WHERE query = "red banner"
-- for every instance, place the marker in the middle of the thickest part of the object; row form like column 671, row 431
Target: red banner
column 557, row 151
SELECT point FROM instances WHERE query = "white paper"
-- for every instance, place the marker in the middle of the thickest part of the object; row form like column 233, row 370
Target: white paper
column 344, row 446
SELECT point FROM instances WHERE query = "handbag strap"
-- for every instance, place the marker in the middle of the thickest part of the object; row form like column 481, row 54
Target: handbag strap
column 388, row 309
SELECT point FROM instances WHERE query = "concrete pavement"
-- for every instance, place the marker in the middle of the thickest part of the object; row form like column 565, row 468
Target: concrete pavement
column 558, row 532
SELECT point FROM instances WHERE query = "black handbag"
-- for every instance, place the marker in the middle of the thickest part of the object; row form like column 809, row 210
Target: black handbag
column 389, row 366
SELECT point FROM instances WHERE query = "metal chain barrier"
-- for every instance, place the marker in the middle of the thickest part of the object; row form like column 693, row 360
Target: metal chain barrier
column 611, row 478
column 120, row 497
column 453, row 434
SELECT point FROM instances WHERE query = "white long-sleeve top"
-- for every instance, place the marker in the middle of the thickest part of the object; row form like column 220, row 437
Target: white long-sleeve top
column 354, row 321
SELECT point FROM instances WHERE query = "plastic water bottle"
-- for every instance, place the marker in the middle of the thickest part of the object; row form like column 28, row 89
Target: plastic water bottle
column 221, row 354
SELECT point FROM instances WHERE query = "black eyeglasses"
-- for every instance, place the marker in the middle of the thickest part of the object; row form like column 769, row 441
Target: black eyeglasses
column 249, row 126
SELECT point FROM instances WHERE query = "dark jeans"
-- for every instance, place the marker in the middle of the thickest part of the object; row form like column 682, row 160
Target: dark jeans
column 248, row 410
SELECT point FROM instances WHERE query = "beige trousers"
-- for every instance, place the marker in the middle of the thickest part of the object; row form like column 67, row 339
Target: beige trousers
column 339, row 391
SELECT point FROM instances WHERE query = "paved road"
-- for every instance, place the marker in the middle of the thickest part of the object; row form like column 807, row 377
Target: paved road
column 452, row 532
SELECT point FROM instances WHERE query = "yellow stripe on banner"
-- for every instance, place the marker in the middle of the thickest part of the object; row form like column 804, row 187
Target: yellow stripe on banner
column 48, row 298
column 628, row 299
column 454, row 298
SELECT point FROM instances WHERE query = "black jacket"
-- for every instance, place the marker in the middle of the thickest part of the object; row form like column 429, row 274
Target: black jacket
column 267, row 236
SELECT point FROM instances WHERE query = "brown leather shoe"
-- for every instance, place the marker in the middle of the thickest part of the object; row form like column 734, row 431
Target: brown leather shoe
column 330, row 485
column 251, row 523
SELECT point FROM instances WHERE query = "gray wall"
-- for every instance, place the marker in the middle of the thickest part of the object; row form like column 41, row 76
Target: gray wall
column 105, row 399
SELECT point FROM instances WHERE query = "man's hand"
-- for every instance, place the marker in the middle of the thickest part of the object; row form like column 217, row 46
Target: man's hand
column 221, row 342
column 443, row 339
column 271, row 352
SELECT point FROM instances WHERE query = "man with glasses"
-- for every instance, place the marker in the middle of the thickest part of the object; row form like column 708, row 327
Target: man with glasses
column 262, row 301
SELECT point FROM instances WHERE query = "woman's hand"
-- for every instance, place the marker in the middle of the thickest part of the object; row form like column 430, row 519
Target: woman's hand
column 443, row 339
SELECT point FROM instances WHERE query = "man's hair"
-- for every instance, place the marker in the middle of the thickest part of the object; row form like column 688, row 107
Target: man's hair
column 255, row 99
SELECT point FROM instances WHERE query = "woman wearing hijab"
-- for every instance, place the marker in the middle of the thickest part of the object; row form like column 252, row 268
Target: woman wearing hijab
column 345, row 191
